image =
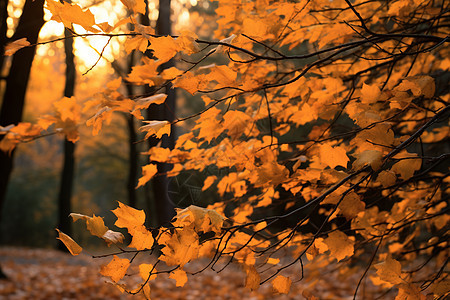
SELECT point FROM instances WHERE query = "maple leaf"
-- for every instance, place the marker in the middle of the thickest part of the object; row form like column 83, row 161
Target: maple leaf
column 158, row 128
column 339, row 244
column 67, row 14
column 142, row 238
column 333, row 156
column 71, row 245
column 179, row 276
column 96, row 121
column 164, row 47
column 128, row 217
column 407, row 166
column 145, row 270
column 253, row 279
column 390, row 271
column 136, row 6
column 148, row 172
column 282, row 284
column 116, row 268
column 181, row 247
column 15, row 46
column 371, row 158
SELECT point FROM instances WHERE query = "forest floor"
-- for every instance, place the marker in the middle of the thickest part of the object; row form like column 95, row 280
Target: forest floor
column 50, row 274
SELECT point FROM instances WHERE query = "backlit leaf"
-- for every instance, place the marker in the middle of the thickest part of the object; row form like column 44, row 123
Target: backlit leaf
column 179, row 276
column 282, row 284
column 71, row 245
column 15, row 46
column 116, row 268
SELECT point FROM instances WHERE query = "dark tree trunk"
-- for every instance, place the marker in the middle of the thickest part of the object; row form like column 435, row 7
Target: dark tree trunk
column 3, row 29
column 30, row 24
column 162, row 203
column 68, row 171
column 133, row 160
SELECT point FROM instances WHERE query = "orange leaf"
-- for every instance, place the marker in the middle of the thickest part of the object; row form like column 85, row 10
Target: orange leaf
column 116, row 269
column 339, row 244
column 128, row 217
column 67, row 14
column 282, row 284
column 179, row 276
column 390, row 271
column 164, row 47
column 71, row 245
column 15, row 46
column 158, row 128
column 333, row 156
column 142, row 238
column 253, row 279
column 148, row 172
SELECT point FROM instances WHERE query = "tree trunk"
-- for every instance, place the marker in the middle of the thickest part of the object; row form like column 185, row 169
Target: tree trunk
column 162, row 203
column 30, row 24
column 3, row 29
column 68, row 171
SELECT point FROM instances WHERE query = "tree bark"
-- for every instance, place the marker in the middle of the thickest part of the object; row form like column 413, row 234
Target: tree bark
column 162, row 203
column 3, row 30
column 30, row 24
column 68, row 171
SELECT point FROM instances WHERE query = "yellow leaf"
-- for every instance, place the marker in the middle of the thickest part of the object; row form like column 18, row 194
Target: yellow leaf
column 333, row 156
column 255, row 28
column 208, row 182
column 370, row 93
column 145, row 269
column 236, row 122
column 164, row 47
column 116, row 269
column 179, row 276
column 142, row 238
column 351, row 205
column 136, row 6
column 282, row 284
column 96, row 226
column 181, row 247
column 187, row 43
column 386, row 178
column 223, row 75
column 273, row 261
column 339, row 244
column 253, row 279
column 148, row 172
column 71, row 245
column 190, row 82
column 138, row 42
column 407, row 166
column 96, row 121
column 15, row 46
column 418, row 85
column 158, row 128
column 67, row 14
column 371, row 158
column 128, row 217
column 389, row 271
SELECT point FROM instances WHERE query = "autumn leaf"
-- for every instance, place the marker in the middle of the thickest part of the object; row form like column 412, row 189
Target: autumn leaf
column 339, row 244
column 372, row 158
column 253, row 279
column 148, row 172
column 116, row 268
column 158, row 128
column 333, row 156
column 142, row 238
column 71, row 245
column 128, row 217
column 179, row 276
column 15, row 46
column 113, row 237
column 390, row 271
column 164, row 47
column 67, row 14
column 282, row 284
column 136, row 6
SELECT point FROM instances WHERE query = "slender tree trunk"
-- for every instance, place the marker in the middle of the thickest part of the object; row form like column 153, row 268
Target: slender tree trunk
column 3, row 29
column 133, row 160
column 68, row 171
column 162, row 203
column 30, row 24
